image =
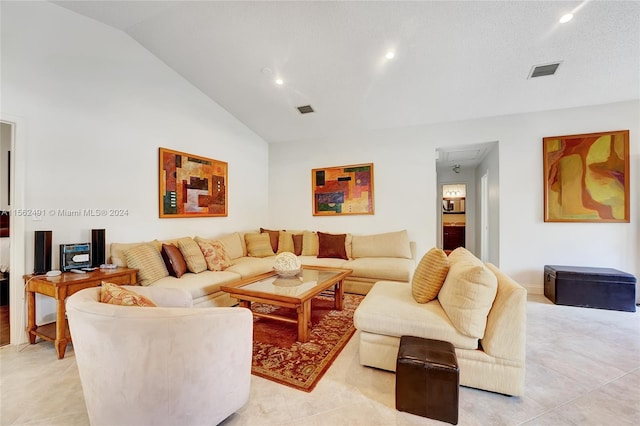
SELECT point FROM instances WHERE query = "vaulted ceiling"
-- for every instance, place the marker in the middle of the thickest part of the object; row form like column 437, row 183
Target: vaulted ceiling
column 454, row 60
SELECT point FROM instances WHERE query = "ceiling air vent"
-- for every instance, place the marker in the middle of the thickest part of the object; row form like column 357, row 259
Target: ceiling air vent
column 305, row 109
column 543, row 70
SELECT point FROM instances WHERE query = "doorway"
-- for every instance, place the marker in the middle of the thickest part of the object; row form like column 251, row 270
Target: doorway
column 454, row 217
column 6, row 139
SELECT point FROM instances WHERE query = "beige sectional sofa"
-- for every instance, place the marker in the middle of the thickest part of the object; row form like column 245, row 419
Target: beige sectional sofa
column 490, row 346
column 387, row 256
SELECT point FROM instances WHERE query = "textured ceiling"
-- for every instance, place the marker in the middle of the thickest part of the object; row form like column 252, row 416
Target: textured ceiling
column 454, row 60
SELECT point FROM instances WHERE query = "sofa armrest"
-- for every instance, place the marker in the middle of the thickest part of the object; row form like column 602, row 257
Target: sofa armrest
column 505, row 335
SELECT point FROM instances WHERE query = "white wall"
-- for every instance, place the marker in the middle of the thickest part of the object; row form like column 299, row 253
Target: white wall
column 97, row 106
column 405, row 187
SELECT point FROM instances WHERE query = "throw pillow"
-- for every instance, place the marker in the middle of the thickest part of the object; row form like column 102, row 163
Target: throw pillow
column 467, row 295
column 297, row 244
column 214, row 254
column 258, row 245
column 192, row 255
column 309, row 243
column 285, row 242
column 332, row 245
column 429, row 275
column 173, row 260
column 147, row 260
column 274, row 236
column 116, row 295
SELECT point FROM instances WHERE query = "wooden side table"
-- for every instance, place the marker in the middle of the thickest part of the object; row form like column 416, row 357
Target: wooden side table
column 60, row 288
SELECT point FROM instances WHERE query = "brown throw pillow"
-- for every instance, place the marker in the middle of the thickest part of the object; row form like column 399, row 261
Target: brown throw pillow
column 297, row 244
column 429, row 275
column 273, row 238
column 332, row 245
column 173, row 260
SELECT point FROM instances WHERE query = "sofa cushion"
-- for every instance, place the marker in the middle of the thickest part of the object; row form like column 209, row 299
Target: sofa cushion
column 198, row 285
column 147, row 260
column 214, row 254
column 330, row 262
column 381, row 268
column 258, row 245
column 429, row 275
column 173, row 260
column 233, row 244
column 390, row 244
column 310, row 243
column 467, row 295
column 250, row 266
column 116, row 295
column 390, row 309
column 332, row 245
column 192, row 255
column 274, row 236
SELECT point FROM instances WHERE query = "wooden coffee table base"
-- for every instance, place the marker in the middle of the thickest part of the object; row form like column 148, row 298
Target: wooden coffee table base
column 304, row 311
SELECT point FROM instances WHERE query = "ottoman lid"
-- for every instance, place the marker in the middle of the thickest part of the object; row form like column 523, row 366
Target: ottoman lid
column 435, row 353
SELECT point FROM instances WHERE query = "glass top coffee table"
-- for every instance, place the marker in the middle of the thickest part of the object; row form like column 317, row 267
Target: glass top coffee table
column 293, row 292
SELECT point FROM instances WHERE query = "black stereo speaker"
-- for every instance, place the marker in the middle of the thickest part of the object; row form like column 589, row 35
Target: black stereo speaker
column 42, row 252
column 97, row 247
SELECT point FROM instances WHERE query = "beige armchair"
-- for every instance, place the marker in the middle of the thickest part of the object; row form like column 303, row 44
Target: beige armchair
column 167, row 365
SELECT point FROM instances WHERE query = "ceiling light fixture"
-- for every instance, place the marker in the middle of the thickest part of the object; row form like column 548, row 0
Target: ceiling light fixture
column 390, row 55
column 566, row 18
column 279, row 81
column 456, row 168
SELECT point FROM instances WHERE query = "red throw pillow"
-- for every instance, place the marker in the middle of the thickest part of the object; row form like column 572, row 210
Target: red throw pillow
column 174, row 261
column 332, row 245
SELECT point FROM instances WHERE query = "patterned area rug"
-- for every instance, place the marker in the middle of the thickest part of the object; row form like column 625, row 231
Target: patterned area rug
column 277, row 355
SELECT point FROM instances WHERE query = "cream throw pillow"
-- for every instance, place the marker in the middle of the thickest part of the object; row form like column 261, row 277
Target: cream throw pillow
column 258, row 245
column 429, row 275
column 467, row 295
column 192, row 255
column 147, row 260
column 310, row 243
column 285, row 242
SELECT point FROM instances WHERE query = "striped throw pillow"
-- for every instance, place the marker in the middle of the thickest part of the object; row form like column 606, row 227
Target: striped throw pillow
column 147, row 260
column 429, row 275
column 192, row 255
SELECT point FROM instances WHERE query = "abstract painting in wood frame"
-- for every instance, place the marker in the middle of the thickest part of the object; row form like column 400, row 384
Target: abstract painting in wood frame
column 342, row 190
column 586, row 177
column 191, row 185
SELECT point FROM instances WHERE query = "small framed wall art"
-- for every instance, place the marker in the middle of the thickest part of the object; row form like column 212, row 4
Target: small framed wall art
column 586, row 177
column 191, row 186
column 342, row 190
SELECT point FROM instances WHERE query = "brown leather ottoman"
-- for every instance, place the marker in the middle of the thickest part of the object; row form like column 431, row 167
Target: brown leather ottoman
column 427, row 377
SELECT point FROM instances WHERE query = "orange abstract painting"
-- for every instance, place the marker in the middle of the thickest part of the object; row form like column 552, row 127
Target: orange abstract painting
column 586, row 177
column 342, row 190
column 191, row 186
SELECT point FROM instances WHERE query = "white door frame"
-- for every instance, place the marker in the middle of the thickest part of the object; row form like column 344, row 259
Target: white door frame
column 484, row 217
column 17, row 229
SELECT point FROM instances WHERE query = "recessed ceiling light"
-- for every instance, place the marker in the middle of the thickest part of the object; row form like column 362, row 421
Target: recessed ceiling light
column 566, row 18
column 279, row 81
column 390, row 55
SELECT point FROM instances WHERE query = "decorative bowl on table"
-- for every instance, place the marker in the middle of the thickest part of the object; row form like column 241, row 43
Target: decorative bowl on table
column 287, row 264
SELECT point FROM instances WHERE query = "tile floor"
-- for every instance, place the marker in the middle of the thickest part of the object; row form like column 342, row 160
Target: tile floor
column 583, row 368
